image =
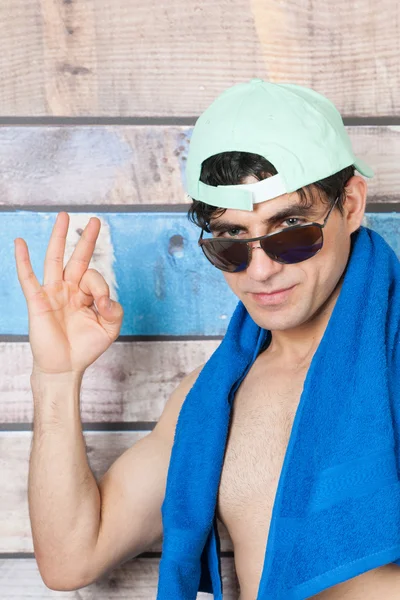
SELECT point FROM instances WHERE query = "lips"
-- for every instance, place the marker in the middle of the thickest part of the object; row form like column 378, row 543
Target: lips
column 272, row 298
column 274, row 292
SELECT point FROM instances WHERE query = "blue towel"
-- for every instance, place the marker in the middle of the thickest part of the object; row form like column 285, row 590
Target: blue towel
column 336, row 512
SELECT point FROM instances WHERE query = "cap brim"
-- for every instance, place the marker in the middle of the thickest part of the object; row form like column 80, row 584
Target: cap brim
column 363, row 168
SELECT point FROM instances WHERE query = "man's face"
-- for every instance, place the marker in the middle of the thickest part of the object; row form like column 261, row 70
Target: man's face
column 314, row 280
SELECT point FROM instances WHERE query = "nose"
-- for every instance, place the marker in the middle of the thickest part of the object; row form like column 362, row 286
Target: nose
column 261, row 266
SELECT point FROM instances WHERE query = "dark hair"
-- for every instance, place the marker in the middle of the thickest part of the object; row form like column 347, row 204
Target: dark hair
column 230, row 168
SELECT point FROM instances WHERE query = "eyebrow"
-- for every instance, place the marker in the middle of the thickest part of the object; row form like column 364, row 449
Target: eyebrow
column 289, row 211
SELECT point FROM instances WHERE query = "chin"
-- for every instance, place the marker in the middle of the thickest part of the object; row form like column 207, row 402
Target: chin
column 272, row 318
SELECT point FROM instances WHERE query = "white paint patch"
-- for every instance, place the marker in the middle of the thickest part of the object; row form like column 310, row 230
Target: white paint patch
column 103, row 258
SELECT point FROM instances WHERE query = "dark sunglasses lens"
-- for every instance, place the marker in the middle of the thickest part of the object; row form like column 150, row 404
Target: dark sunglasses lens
column 294, row 245
column 226, row 255
column 290, row 246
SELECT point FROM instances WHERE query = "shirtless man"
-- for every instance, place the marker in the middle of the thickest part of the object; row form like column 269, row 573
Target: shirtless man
column 83, row 529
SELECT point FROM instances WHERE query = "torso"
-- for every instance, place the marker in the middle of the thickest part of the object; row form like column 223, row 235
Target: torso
column 262, row 417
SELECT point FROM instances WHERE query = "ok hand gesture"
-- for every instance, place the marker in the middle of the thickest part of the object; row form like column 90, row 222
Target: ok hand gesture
column 66, row 332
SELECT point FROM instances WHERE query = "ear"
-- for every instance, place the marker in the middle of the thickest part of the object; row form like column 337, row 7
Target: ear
column 354, row 203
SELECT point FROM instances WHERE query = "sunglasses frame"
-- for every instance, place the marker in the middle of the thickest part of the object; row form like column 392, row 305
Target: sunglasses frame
column 204, row 242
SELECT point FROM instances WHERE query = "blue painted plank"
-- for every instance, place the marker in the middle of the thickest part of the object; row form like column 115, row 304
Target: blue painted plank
column 165, row 284
column 163, row 281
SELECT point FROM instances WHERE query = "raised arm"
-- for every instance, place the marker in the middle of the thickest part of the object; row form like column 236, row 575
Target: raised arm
column 81, row 528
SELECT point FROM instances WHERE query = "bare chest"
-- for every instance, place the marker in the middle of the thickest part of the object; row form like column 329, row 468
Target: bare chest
column 261, row 422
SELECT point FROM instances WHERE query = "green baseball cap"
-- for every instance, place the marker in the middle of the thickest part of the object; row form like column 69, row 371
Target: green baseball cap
column 297, row 129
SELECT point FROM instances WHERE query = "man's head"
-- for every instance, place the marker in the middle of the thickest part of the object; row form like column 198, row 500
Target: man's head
column 316, row 279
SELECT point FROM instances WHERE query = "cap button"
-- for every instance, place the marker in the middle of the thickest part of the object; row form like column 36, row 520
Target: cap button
column 256, row 80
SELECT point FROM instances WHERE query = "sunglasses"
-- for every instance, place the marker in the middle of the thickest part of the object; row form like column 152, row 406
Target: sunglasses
column 291, row 245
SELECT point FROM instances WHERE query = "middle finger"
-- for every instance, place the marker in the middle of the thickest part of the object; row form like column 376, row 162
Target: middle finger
column 83, row 252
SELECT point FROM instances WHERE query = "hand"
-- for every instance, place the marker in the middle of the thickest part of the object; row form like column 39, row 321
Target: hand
column 66, row 332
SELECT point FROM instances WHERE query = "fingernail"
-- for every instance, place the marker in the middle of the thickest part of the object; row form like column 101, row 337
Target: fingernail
column 109, row 304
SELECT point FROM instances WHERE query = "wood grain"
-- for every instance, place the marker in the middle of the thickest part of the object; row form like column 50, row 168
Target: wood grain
column 135, row 580
column 131, row 381
column 163, row 63
column 121, row 58
column 151, row 261
column 102, row 448
column 138, row 165
column 152, row 264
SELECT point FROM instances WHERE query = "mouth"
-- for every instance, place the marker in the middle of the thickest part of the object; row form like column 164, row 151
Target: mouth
column 273, row 297
column 271, row 293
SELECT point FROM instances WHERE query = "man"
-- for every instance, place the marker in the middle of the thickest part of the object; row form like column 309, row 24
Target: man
column 82, row 530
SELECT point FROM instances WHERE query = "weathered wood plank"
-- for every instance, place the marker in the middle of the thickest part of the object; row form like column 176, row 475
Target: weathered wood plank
column 116, row 59
column 135, row 580
column 100, row 165
column 136, row 165
column 131, row 381
column 166, row 285
column 103, row 448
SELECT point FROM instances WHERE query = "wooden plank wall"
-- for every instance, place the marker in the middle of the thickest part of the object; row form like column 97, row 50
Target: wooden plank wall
column 97, row 104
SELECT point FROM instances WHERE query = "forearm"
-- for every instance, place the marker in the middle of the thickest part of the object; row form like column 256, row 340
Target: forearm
column 64, row 499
